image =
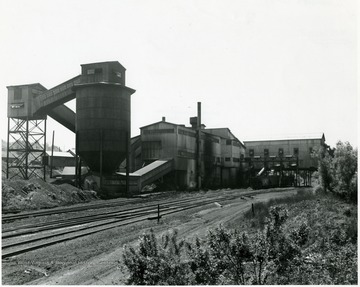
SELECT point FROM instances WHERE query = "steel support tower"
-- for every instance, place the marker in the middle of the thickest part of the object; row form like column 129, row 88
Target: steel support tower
column 26, row 147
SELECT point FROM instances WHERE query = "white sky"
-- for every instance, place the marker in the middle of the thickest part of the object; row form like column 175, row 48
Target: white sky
column 261, row 68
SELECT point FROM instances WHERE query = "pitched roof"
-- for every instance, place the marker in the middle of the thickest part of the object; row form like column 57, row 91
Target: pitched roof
column 165, row 123
column 59, row 153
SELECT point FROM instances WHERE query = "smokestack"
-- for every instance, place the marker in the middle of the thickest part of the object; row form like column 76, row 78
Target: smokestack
column 199, row 115
column 163, row 119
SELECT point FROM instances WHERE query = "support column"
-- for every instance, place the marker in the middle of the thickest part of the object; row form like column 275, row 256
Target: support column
column 27, row 148
column 76, row 158
column 101, row 159
column 44, row 155
column 7, row 150
column 127, row 162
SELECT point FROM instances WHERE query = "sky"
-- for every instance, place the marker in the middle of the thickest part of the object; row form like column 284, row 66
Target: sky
column 261, row 68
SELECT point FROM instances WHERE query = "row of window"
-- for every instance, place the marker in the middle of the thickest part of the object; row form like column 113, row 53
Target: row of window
column 280, row 152
column 232, row 142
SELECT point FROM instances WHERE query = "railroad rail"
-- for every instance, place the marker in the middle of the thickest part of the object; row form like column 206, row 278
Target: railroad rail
column 8, row 217
column 24, row 239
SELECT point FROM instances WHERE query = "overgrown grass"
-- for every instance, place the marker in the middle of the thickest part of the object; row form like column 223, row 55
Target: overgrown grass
column 305, row 239
column 260, row 211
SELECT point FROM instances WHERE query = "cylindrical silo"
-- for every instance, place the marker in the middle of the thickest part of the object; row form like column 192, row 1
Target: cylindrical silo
column 102, row 115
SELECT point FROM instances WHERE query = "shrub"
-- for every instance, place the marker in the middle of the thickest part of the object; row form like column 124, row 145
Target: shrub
column 154, row 264
column 225, row 257
column 271, row 256
column 338, row 170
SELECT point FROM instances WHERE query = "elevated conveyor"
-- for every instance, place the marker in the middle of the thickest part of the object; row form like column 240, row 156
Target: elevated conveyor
column 51, row 102
column 56, row 96
column 64, row 116
column 148, row 174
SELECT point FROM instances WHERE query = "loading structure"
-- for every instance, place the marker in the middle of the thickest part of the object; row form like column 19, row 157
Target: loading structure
column 282, row 162
column 101, row 123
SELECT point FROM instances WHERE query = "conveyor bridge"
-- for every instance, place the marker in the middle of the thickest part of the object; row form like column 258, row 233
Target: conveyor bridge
column 148, row 174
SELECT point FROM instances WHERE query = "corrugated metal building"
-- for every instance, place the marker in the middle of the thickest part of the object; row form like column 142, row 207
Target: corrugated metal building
column 297, row 150
column 220, row 153
column 59, row 159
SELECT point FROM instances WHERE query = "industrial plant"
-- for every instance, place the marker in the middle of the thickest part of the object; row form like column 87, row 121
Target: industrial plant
column 167, row 155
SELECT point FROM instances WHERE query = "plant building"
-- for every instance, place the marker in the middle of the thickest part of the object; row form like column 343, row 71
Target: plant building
column 220, row 153
column 184, row 157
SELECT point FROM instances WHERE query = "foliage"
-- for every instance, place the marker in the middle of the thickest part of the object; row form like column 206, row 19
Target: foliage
column 262, row 209
column 225, row 257
column 296, row 247
column 154, row 263
column 338, row 170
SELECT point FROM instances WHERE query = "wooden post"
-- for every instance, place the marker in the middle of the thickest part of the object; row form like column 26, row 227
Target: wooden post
column 7, row 150
column 158, row 217
column 79, row 173
column 127, row 161
column 198, row 146
column 101, row 158
column 52, row 155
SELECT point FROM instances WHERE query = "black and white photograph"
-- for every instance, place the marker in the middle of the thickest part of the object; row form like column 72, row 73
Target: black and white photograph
column 200, row 142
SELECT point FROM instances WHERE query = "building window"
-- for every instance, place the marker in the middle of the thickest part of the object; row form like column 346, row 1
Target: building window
column 296, row 151
column 242, row 156
column 228, row 142
column 236, row 159
column 281, row 152
column 17, row 93
column 227, row 159
column 251, row 152
column 94, row 71
column 218, row 159
column 266, row 152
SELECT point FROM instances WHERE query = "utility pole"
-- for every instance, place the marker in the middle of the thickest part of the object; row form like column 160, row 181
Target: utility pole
column 127, row 144
column 52, row 155
column 198, row 146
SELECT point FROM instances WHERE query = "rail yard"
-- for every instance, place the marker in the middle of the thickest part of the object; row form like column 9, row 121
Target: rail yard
column 46, row 245
column 68, row 214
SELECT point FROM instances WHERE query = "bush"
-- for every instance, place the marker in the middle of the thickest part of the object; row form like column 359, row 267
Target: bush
column 309, row 254
column 338, row 170
column 154, row 264
column 225, row 257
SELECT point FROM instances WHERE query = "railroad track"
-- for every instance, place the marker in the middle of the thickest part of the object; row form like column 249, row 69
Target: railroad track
column 53, row 224
column 27, row 238
column 30, row 237
column 12, row 217
column 17, row 216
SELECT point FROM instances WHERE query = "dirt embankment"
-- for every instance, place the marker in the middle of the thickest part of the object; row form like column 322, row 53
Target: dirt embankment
column 22, row 195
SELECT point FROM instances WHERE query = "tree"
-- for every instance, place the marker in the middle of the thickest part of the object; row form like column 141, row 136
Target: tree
column 338, row 170
column 345, row 169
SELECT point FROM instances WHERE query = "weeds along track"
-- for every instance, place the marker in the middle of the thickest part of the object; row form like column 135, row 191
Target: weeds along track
column 30, row 237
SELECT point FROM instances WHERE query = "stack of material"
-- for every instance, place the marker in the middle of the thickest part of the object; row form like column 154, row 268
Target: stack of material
column 19, row 195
